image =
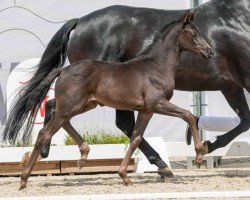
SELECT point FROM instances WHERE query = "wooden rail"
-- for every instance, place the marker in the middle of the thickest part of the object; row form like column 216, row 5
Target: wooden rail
column 66, row 167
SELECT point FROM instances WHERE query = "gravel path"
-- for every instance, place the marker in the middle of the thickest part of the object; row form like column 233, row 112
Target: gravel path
column 234, row 174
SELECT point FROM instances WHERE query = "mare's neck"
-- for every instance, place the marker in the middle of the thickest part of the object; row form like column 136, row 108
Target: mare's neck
column 223, row 11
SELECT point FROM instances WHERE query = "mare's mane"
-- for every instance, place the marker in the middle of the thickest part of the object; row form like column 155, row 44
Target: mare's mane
column 160, row 35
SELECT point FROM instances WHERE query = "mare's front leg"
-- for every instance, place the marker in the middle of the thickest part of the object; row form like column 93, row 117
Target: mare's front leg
column 125, row 121
column 238, row 103
column 166, row 108
column 136, row 138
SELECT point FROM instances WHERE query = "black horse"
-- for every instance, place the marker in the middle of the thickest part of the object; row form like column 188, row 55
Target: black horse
column 120, row 33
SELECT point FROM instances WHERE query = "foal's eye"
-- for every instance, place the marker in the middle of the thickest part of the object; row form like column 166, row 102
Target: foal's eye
column 194, row 35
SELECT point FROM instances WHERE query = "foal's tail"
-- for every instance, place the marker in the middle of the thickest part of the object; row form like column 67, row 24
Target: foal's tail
column 27, row 105
column 36, row 95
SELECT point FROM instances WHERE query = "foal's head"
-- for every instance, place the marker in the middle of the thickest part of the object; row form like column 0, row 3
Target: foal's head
column 187, row 36
column 191, row 39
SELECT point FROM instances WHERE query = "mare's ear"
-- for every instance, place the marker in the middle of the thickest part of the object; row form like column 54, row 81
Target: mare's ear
column 192, row 16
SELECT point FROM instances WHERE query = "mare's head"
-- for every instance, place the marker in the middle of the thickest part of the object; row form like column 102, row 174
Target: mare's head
column 191, row 39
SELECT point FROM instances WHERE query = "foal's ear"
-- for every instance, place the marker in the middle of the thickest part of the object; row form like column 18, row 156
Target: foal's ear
column 192, row 16
column 185, row 17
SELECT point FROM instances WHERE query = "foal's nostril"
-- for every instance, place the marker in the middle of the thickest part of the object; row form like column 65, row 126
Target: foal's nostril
column 210, row 52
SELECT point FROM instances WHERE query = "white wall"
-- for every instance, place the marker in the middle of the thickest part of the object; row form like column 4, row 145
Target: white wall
column 27, row 27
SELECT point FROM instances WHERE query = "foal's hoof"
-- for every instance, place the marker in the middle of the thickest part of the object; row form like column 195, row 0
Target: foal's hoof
column 81, row 163
column 128, row 182
column 165, row 173
column 198, row 165
column 22, row 187
column 198, row 160
column 207, row 147
column 25, row 160
column 24, row 177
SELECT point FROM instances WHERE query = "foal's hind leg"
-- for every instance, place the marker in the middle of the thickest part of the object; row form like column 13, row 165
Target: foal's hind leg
column 83, row 146
column 49, row 112
column 166, row 108
column 44, row 136
column 136, row 138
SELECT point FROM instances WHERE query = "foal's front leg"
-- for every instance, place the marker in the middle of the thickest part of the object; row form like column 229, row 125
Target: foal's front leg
column 140, row 126
column 166, row 108
column 125, row 121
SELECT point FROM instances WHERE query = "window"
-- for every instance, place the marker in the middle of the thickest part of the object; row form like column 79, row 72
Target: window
column 195, row 3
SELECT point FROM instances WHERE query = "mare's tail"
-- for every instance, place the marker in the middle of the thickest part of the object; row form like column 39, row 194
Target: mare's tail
column 27, row 105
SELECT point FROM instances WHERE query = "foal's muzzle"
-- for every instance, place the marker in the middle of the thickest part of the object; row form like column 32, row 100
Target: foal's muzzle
column 207, row 53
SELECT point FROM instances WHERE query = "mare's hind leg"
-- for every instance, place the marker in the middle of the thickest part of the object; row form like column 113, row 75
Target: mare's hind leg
column 136, row 138
column 166, row 108
column 44, row 136
column 125, row 121
column 239, row 104
column 49, row 112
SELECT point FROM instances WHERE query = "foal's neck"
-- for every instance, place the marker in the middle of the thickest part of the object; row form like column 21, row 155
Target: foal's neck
column 166, row 53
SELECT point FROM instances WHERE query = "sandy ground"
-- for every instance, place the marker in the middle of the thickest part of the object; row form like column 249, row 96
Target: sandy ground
column 233, row 174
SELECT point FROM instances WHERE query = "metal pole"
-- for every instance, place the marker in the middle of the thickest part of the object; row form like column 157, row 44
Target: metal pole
column 198, row 97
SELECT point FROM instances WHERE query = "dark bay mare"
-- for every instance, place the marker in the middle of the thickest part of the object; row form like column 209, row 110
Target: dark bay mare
column 148, row 78
column 120, row 33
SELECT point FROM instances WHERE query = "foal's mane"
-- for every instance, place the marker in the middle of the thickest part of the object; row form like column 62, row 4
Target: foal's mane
column 160, row 35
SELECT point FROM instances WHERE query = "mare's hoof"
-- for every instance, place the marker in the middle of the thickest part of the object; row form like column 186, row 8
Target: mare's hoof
column 165, row 173
column 207, row 147
column 188, row 135
column 81, row 163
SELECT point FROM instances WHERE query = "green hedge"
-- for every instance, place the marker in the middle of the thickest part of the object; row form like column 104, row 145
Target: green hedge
column 100, row 138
